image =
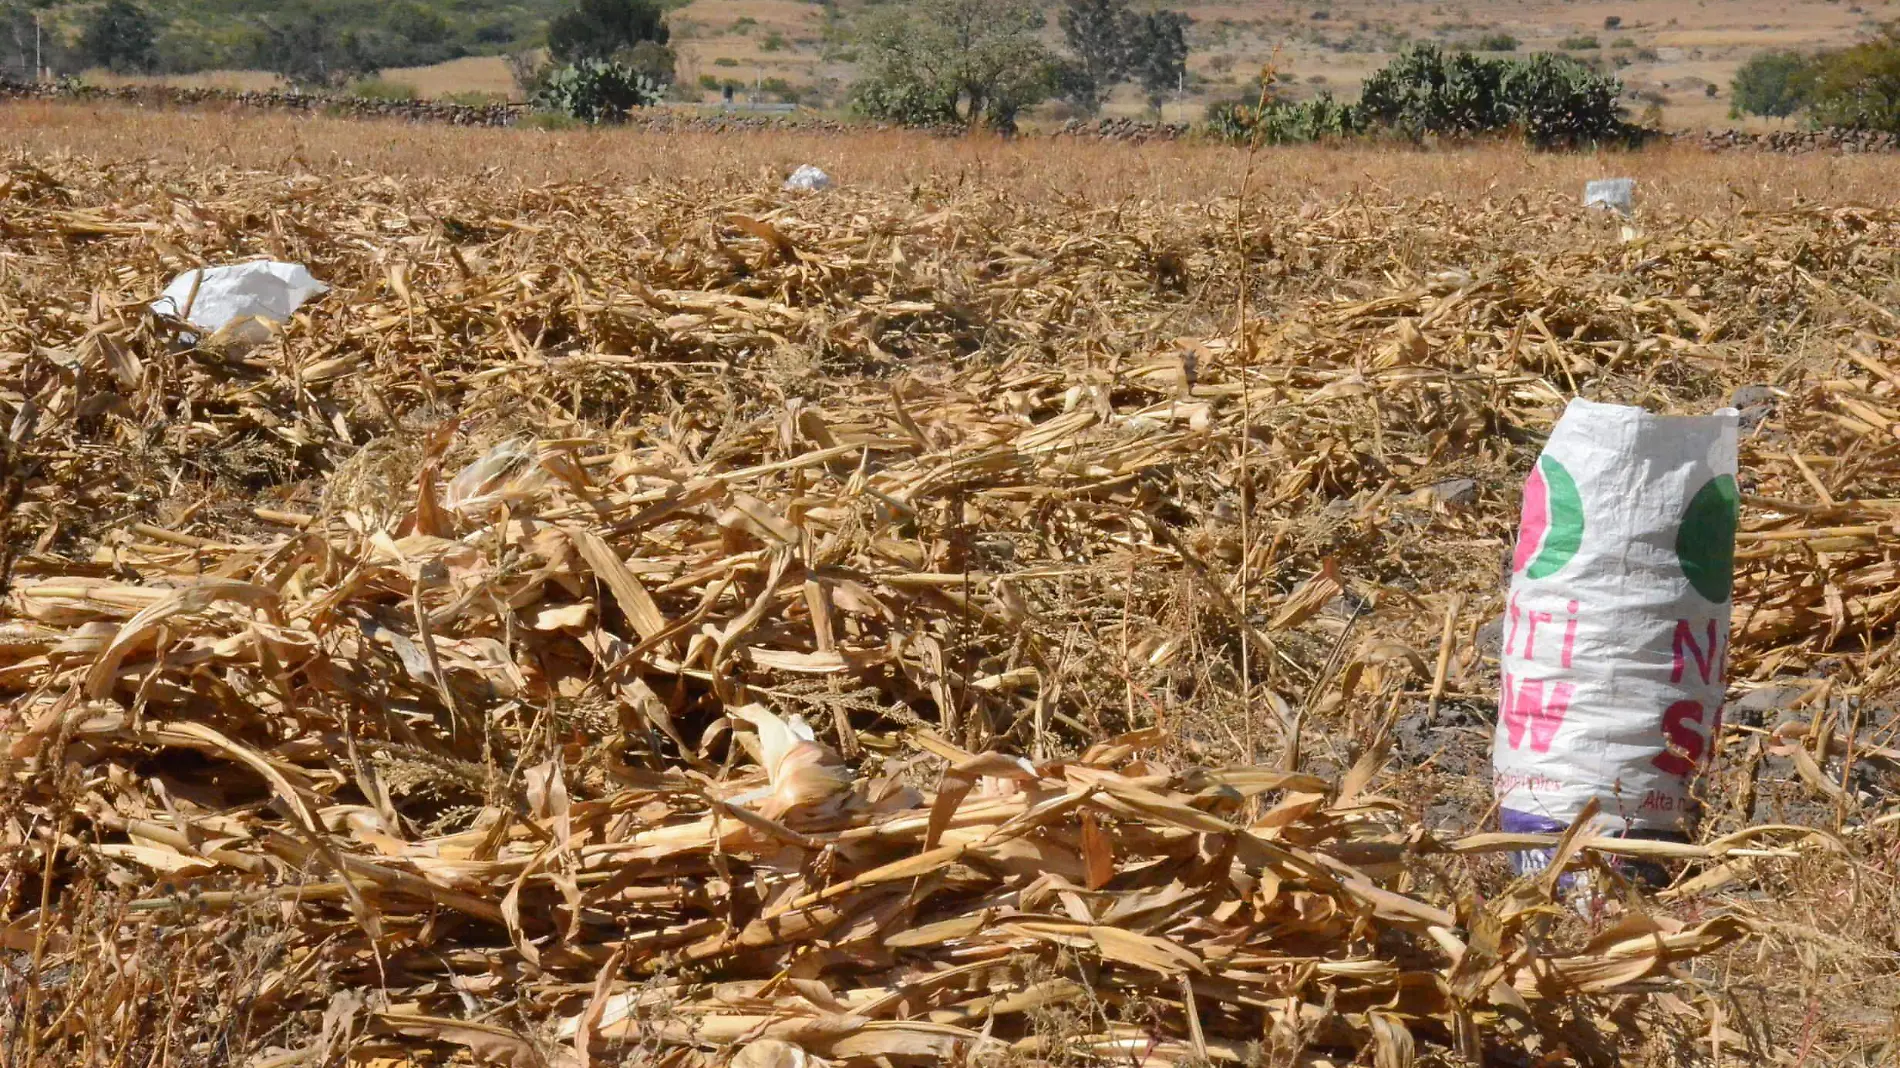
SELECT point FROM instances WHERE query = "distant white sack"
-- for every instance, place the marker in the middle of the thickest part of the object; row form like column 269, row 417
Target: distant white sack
column 1617, row 194
column 807, row 179
column 262, row 289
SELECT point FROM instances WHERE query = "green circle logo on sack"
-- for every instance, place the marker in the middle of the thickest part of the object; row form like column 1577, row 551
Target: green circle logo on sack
column 1551, row 527
column 1705, row 542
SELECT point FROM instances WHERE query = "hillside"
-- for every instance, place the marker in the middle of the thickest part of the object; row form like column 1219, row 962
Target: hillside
column 201, row 35
column 1671, row 55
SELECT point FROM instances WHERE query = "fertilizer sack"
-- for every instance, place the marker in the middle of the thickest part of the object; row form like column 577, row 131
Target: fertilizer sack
column 1616, row 629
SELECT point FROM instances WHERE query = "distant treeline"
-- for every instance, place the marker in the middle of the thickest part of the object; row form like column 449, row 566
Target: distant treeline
column 314, row 36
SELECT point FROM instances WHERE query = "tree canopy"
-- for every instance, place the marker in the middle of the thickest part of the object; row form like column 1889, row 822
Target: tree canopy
column 597, row 29
column 1773, row 84
column 122, row 37
column 954, row 61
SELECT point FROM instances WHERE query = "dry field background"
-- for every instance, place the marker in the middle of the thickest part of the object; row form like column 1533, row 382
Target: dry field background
column 1671, row 51
column 1183, row 474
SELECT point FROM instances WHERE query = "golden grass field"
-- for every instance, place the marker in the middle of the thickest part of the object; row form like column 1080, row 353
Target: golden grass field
column 408, row 687
column 1671, row 51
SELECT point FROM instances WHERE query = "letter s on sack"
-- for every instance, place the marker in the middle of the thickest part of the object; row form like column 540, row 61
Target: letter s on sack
column 1685, row 744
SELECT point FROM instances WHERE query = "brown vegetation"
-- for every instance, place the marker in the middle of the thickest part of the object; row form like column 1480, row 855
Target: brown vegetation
column 327, row 743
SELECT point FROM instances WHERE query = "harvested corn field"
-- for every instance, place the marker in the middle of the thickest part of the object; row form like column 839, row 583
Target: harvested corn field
column 692, row 624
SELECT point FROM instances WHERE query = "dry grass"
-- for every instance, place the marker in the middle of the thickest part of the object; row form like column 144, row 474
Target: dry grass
column 1688, row 181
column 470, row 74
column 969, row 454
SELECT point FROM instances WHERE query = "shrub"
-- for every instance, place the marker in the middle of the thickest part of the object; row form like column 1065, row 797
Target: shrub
column 1552, row 100
column 1282, row 122
column 596, row 29
column 1773, row 84
column 1582, row 42
column 1496, row 42
column 596, row 91
column 774, row 42
column 707, row 81
column 1424, row 90
column 725, row 61
column 120, row 36
column 650, row 59
column 527, row 70
column 1611, row 22
column 1557, row 102
column 1623, row 42
column 1859, row 87
column 961, row 61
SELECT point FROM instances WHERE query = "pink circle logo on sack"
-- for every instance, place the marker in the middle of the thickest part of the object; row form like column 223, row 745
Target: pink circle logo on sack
column 1705, row 542
column 1550, row 529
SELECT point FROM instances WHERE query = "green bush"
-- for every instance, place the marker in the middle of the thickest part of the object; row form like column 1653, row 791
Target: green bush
column 1557, row 102
column 774, row 42
column 1859, row 87
column 1550, row 99
column 953, row 61
column 725, row 61
column 120, row 36
column 1583, row 42
column 1623, row 42
column 1496, row 42
column 476, row 98
column 1423, row 90
column 707, row 81
column 1774, row 84
column 1284, row 123
column 597, row 29
column 596, row 91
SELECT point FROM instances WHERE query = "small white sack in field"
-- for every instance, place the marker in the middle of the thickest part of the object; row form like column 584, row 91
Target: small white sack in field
column 1616, row 631
column 262, row 289
column 1617, row 194
column 807, row 179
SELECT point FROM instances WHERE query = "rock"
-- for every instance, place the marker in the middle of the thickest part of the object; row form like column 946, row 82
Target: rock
column 1490, row 639
column 1755, row 404
column 1752, row 708
column 1455, row 492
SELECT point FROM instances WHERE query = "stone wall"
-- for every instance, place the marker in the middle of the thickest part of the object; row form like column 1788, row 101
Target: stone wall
column 664, row 120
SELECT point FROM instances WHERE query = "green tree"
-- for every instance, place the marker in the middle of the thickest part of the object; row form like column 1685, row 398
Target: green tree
column 954, row 61
column 1774, row 84
column 598, row 29
column 1157, row 53
column 120, row 36
column 24, row 43
column 312, row 44
column 1859, row 87
column 1096, row 32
